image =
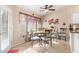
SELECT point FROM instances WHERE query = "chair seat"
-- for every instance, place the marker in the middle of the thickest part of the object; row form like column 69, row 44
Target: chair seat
column 62, row 35
column 44, row 38
column 35, row 38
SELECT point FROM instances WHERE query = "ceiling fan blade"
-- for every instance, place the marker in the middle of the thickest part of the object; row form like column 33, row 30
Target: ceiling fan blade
column 50, row 6
column 51, row 9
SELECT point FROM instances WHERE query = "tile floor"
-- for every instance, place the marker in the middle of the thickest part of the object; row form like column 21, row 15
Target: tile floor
column 58, row 46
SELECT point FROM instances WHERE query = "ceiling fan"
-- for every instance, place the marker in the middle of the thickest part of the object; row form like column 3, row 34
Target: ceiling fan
column 47, row 8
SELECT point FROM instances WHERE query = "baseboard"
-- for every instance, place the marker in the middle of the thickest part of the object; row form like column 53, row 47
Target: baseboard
column 17, row 44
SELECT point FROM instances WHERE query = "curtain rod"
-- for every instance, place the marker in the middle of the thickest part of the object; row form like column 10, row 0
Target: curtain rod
column 29, row 15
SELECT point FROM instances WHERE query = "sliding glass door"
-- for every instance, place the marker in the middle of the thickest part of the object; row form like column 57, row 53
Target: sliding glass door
column 32, row 24
column 28, row 24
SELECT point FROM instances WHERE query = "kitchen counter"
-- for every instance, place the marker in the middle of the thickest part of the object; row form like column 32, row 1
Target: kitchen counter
column 74, row 31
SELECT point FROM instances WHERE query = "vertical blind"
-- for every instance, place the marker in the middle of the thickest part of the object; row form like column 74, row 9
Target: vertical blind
column 32, row 23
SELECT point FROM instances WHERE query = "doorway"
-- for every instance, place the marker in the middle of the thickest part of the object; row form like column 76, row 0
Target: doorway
column 5, row 29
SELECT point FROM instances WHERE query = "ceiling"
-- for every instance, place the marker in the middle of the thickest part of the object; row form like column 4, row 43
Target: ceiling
column 36, row 9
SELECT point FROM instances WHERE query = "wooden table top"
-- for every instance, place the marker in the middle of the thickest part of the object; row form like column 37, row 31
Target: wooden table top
column 40, row 32
column 46, row 31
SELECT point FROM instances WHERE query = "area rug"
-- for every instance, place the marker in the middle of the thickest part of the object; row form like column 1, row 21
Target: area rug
column 13, row 51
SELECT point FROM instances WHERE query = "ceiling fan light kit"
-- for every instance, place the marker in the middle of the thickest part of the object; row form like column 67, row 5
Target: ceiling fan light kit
column 47, row 8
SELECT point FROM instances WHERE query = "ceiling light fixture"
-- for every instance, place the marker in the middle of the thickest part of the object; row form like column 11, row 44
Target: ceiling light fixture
column 46, row 10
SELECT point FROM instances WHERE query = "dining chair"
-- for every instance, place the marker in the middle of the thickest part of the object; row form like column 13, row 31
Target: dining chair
column 34, row 37
column 52, row 36
column 45, row 39
column 63, row 34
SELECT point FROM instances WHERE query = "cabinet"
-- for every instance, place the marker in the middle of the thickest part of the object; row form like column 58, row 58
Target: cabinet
column 74, row 42
column 76, row 18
